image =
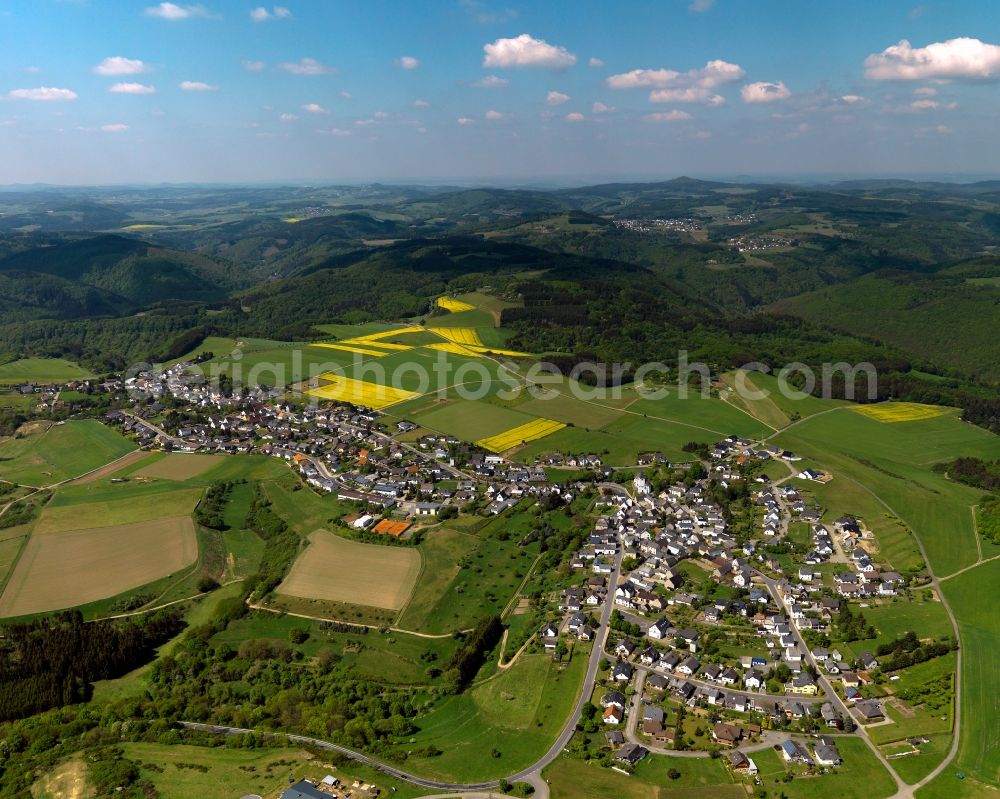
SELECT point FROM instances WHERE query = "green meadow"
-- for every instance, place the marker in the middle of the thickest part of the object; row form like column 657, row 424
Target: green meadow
column 60, row 452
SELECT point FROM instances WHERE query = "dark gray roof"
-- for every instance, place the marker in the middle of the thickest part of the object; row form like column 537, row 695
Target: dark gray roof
column 304, row 790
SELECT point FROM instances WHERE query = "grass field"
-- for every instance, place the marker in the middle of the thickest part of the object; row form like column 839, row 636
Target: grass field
column 180, row 466
column 334, row 569
column 80, row 566
column 522, row 434
column 464, row 578
column 65, row 514
column 894, row 462
column 970, row 596
column 59, row 452
column 470, row 420
column 517, row 713
column 194, row 772
column 569, row 409
column 914, row 767
column 861, row 776
column 699, row 779
column 42, row 370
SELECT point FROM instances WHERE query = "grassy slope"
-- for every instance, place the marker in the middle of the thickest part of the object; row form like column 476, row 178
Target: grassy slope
column 62, row 452
column 42, row 370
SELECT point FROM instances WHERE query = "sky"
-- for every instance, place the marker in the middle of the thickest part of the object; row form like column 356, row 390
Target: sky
column 323, row 91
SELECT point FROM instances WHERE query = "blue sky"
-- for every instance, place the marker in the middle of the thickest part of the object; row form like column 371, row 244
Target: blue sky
column 105, row 92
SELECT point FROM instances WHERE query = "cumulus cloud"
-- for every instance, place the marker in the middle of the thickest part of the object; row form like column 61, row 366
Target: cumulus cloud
column 306, row 66
column 115, row 127
column 465, row 120
column 43, row 94
column 526, row 51
column 408, row 62
column 601, row 108
column 925, row 91
column 132, row 88
column 576, row 116
column 595, row 62
column 955, row 59
column 335, row 132
column 197, row 86
column 118, row 65
column 557, row 98
column 491, row 114
column 346, row 95
column 418, row 103
column 174, row 12
column 692, row 94
column 701, row 6
column 254, row 66
column 852, row 99
column 314, row 108
column 261, row 14
column 924, row 105
column 764, row 92
column 491, row 82
column 288, row 117
column 668, row 116
column 715, row 73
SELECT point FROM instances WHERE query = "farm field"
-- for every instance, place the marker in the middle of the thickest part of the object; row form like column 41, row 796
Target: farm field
column 63, row 513
column 96, row 563
column 914, row 767
column 895, row 463
column 470, row 420
column 371, row 395
column 898, row 411
column 58, row 452
column 180, row 466
column 42, row 370
column 517, row 712
column 926, row 619
column 522, row 434
column 334, row 569
column 571, row 410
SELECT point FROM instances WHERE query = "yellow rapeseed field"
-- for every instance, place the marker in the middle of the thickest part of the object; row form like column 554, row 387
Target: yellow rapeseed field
column 539, row 428
column 454, row 349
column 453, row 305
column 358, row 392
column 344, row 346
column 898, row 411
column 458, row 335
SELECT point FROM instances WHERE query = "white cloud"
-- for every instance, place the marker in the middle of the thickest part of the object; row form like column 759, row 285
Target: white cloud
column 491, row 114
column 700, row 6
column 692, row 94
column 526, row 51
column 955, row 59
column 408, row 62
column 346, row 95
column 491, row 82
column 595, row 62
column 116, row 127
column 32, row 69
column 484, row 15
column 764, row 92
column 306, row 66
column 668, row 116
column 575, row 116
column 132, row 88
column 924, row 105
column 925, row 91
column 381, row 115
column 852, row 99
column 336, row 132
column 314, row 108
column 254, row 66
column 557, row 98
column 364, row 123
column 601, row 108
column 197, row 86
column 418, row 103
column 671, row 86
column 288, row 117
column 261, row 14
column 173, row 12
column 118, row 65
column 465, row 121
column 43, row 94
